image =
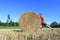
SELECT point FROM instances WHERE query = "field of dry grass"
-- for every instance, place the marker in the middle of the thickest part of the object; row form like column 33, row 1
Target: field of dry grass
column 16, row 34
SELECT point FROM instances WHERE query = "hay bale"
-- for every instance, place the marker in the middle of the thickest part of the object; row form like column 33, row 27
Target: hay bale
column 29, row 21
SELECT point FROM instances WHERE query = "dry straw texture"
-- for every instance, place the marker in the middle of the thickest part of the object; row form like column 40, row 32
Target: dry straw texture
column 29, row 21
column 7, row 34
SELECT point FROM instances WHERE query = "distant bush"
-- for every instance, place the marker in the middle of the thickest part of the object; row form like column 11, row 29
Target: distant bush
column 55, row 25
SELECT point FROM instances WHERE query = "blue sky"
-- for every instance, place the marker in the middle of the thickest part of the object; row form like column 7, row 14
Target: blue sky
column 49, row 8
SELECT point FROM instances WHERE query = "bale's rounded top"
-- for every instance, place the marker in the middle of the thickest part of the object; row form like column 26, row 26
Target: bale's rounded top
column 29, row 21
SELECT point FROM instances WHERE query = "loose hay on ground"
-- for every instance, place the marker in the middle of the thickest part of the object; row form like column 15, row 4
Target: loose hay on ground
column 39, row 35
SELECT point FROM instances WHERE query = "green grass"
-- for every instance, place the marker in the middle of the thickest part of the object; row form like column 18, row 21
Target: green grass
column 9, row 27
column 17, row 27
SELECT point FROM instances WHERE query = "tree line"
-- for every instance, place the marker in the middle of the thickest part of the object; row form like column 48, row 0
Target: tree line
column 55, row 24
column 9, row 22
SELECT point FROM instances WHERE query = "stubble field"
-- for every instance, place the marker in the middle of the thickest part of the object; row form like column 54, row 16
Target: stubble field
column 17, row 34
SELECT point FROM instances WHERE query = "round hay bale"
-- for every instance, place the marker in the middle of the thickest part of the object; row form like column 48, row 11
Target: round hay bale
column 29, row 21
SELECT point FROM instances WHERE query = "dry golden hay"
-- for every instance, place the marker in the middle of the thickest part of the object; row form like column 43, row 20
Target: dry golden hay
column 29, row 21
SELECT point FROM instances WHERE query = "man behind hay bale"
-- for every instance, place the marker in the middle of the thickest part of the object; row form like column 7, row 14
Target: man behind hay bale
column 30, row 21
column 43, row 22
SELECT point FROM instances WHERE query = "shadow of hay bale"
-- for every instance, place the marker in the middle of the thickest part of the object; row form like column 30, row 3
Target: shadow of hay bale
column 18, row 30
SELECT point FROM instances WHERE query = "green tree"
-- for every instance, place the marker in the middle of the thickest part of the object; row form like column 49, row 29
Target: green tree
column 0, row 22
column 59, row 25
column 16, row 24
column 54, row 24
column 11, row 23
column 8, row 20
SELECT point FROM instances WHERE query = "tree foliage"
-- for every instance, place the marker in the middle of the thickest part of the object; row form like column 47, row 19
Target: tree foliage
column 55, row 24
column 9, row 22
